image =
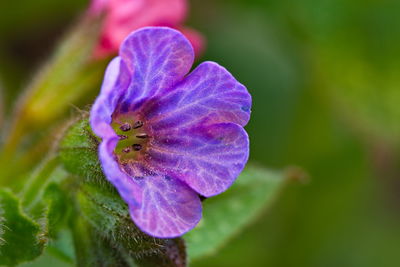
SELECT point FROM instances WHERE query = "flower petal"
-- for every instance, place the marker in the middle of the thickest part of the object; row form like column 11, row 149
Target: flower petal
column 158, row 58
column 210, row 94
column 167, row 208
column 116, row 80
column 159, row 205
column 113, row 173
column 208, row 158
column 196, row 39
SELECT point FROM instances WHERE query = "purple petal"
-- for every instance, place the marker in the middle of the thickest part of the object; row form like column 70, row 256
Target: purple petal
column 113, row 173
column 116, row 80
column 158, row 58
column 160, row 206
column 210, row 94
column 208, row 158
column 167, row 208
column 197, row 144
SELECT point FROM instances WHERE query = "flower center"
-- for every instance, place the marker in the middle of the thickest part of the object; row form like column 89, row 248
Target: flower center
column 132, row 137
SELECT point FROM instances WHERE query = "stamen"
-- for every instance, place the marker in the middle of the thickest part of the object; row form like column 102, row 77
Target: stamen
column 137, row 147
column 122, row 137
column 126, row 150
column 142, row 136
column 137, row 124
column 125, row 127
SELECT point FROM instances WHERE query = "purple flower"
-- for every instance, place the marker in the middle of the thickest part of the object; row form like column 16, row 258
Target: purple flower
column 168, row 138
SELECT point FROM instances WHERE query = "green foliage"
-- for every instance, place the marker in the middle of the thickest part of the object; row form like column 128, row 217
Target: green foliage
column 43, row 199
column 43, row 196
column 21, row 238
column 56, row 208
column 35, row 183
column 78, row 152
column 226, row 214
column 92, row 249
column 58, row 252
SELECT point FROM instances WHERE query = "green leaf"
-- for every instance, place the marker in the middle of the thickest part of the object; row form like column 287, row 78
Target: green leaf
column 56, row 208
column 21, row 238
column 92, row 249
column 228, row 213
column 36, row 181
column 43, row 198
column 78, row 152
column 59, row 252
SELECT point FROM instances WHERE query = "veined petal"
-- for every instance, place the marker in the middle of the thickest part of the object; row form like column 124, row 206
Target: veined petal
column 123, row 182
column 158, row 58
column 167, row 208
column 159, row 205
column 208, row 158
column 116, row 80
column 210, row 94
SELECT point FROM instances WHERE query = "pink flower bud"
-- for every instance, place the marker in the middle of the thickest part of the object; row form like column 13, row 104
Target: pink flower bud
column 124, row 16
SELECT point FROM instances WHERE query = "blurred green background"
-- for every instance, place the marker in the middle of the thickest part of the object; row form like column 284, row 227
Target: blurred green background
column 325, row 79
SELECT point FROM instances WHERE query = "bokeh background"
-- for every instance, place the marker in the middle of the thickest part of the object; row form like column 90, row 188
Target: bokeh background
column 325, row 79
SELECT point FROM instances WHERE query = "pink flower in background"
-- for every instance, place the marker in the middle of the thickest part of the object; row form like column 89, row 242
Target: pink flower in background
column 124, row 16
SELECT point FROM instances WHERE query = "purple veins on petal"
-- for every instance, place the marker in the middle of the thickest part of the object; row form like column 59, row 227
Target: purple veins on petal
column 208, row 158
column 168, row 138
column 168, row 207
column 158, row 57
column 116, row 79
column 160, row 207
column 209, row 90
